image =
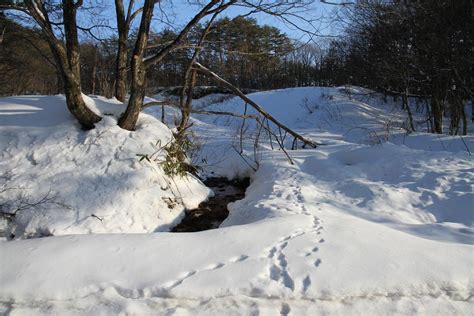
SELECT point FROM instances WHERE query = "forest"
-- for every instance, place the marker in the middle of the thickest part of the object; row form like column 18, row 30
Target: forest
column 399, row 48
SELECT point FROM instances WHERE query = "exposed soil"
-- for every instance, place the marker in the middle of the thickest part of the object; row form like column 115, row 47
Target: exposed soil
column 212, row 213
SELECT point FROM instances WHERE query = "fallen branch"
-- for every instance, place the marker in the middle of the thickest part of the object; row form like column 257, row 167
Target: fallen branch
column 197, row 66
column 176, row 105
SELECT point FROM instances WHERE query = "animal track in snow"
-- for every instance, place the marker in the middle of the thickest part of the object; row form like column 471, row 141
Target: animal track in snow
column 285, row 309
column 239, row 258
column 278, row 268
column 214, row 266
column 272, row 252
column 181, row 280
column 306, row 284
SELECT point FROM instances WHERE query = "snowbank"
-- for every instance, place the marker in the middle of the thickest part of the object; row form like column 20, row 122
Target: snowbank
column 357, row 226
column 94, row 178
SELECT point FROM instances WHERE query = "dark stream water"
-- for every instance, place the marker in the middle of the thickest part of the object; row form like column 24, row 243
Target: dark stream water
column 212, row 213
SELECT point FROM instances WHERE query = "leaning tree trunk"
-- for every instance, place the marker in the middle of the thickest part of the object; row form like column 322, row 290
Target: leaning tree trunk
column 71, row 69
column 129, row 118
column 67, row 58
column 75, row 102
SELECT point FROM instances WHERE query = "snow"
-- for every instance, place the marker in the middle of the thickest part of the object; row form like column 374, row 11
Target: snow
column 373, row 222
column 101, row 186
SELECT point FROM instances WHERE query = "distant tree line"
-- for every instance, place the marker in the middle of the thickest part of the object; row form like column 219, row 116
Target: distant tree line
column 411, row 48
column 403, row 48
column 249, row 55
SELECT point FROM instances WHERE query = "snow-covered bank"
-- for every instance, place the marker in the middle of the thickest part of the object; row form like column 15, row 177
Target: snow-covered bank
column 335, row 263
column 353, row 227
column 97, row 183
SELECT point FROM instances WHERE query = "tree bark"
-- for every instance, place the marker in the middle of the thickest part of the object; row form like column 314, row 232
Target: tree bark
column 121, row 61
column 406, row 105
column 121, row 71
column 472, row 109
column 129, row 118
column 437, row 112
column 464, row 121
column 190, row 80
column 94, row 70
column 71, row 69
column 66, row 58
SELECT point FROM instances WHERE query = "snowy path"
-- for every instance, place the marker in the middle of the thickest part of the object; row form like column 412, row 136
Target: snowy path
column 347, row 229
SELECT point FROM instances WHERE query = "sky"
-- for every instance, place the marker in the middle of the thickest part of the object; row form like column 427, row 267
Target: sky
column 175, row 14
column 320, row 14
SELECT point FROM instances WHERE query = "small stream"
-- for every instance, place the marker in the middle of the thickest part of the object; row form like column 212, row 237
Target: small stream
column 212, row 213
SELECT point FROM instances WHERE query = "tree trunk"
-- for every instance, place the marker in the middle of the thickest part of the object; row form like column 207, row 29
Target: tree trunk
column 186, row 107
column 71, row 69
column 121, row 61
column 464, row 121
column 59, row 81
column 129, row 118
column 76, row 104
column 67, row 58
column 94, row 70
column 121, row 69
column 456, row 111
column 472, row 109
column 406, row 105
column 437, row 114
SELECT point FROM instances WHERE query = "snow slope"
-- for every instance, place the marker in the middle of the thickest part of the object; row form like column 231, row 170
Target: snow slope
column 98, row 184
column 357, row 226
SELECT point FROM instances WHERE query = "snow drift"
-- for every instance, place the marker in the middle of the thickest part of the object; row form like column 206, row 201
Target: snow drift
column 95, row 178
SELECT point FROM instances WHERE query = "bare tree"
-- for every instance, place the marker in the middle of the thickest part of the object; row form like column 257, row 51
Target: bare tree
column 66, row 55
column 123, row 27
column 129, row 118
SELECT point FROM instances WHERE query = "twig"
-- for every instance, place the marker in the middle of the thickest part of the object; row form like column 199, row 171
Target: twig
column 467, row 148
column 239, row 93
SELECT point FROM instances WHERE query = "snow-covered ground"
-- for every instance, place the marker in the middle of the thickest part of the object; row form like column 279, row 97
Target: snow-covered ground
column 94, row 179
column 358, row 225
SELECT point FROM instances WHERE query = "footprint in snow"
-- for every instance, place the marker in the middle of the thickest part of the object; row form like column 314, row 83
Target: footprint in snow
column 239, row 258
column 272, row 252
column 182, row 279
column 215, row 266
column 285, row 309
column 306, row 283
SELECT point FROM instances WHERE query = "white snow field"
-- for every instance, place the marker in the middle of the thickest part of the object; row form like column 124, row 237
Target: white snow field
column 372, row 222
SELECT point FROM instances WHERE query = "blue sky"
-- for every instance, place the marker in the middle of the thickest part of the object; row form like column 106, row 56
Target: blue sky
column 175, row 14
column 182, row 12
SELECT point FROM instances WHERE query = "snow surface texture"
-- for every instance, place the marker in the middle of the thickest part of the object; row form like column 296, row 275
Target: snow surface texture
column 95, row 177
column 357, row 226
